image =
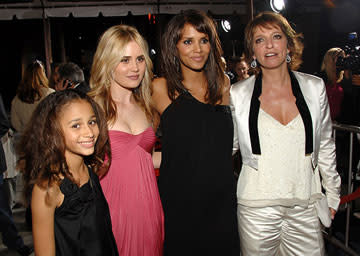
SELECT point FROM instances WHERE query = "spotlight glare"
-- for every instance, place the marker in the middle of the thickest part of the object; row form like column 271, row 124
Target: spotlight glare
column 226, row 26
column 277, row 5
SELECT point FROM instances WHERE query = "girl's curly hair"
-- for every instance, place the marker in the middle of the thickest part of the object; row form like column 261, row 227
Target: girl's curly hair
column 41, row 149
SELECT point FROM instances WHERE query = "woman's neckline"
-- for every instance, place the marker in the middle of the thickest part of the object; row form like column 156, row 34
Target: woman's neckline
column 197, row 100
column 150, row 127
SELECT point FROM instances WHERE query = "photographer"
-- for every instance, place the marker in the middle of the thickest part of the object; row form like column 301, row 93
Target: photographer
column 333, row 79
column 350, row 64
column 71, row 76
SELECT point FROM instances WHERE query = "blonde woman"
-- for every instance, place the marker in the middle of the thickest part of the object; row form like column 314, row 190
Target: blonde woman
column 333, row 77
column 120, row 81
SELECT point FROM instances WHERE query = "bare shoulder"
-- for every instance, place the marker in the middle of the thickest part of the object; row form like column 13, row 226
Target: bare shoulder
column 44, row 201
column 160, row 94
column 159, row 85
column 46, row 197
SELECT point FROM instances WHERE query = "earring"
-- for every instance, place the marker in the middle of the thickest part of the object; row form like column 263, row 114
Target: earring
column 288, row 58
column 253, row 64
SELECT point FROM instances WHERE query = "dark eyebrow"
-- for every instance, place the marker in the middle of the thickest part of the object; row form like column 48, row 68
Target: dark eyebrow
column 79, row 119
column 74, row 120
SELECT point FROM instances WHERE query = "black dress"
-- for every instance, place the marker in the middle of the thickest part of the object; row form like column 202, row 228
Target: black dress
column 196, row 183
column 82, row 222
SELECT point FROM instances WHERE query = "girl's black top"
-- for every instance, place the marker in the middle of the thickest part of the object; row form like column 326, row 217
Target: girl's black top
column 82, row 222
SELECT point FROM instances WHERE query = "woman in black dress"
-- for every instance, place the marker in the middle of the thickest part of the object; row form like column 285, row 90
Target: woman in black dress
column 197, row 185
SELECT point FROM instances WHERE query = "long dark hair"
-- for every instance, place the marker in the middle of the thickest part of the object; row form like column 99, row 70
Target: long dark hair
column 34, row 78
column 42, row 147
column 214, row 67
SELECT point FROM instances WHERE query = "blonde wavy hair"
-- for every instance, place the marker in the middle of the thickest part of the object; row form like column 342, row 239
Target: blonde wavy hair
column 328, row 65
column 108, row 55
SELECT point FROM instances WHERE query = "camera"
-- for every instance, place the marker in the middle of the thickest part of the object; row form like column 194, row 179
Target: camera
column 351, row 61
column 67, row 83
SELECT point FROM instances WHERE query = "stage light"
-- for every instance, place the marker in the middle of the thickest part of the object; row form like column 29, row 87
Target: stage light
column 277, row 5
column 226, row 25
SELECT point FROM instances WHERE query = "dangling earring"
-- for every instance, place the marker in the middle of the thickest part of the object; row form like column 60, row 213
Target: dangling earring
column 288, row 58
column 253, row 64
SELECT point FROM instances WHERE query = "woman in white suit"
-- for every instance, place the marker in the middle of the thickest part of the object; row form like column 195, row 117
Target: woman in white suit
column 283, row 129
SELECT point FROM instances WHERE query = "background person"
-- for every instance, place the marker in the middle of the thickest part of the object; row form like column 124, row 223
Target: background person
column 31, row 90
column 71, row 76
column 9, row 232
column 241, row 69
column 333, row 78
column 283, row 129
column 54, row 76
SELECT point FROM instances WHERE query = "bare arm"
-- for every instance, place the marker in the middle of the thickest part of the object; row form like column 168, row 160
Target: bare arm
column 43, row 204
column 160, row 95
column 156, row 157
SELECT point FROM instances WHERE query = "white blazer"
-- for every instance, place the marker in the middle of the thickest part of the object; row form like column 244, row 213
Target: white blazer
column 312, row 102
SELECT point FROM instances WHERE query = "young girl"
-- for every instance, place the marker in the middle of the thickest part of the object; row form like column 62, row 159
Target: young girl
column 60, row 152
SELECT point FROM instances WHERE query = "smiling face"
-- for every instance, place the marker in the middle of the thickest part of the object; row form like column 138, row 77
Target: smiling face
column 193, row 48
column 270, row 47
column 80, row 129
column 130, row 71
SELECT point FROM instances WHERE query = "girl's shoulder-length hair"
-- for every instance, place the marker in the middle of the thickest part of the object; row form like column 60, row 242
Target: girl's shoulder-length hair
column 271, row 19
column 41, row 149
column 170, row 62
column 109, row 52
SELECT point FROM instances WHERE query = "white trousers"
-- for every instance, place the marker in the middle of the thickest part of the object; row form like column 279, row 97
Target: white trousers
column 280, row 231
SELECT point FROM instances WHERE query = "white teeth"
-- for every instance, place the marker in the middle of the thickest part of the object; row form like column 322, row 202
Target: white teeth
column 270, row 54
column 87, row 142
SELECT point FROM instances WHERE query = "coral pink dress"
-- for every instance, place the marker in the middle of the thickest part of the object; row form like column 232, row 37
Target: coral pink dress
column 131, row 190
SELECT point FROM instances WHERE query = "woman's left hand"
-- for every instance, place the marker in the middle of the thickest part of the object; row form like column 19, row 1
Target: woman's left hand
column 332, row 213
